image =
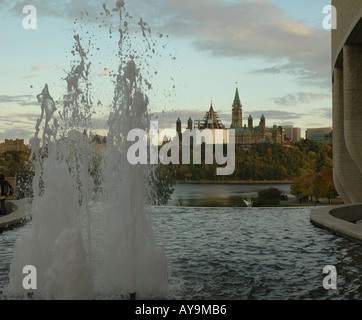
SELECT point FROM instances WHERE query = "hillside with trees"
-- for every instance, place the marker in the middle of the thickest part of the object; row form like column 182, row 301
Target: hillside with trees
column 263, row 161
column 308, row 164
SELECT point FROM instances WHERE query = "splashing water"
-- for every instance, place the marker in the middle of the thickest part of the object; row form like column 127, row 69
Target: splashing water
column 78, row 255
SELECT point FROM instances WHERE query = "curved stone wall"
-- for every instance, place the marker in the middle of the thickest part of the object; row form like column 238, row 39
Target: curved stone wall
column 349, row 13
column 347, row 100
column 17, row 215
column 340, row 220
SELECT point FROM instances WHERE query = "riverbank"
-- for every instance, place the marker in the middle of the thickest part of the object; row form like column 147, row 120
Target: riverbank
column 235, row 182
column 283, row 204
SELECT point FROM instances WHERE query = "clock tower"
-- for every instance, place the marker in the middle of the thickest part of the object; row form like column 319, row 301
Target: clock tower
column 237, row 112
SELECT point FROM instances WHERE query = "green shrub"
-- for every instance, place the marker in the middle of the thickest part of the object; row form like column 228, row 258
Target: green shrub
column 268, row 198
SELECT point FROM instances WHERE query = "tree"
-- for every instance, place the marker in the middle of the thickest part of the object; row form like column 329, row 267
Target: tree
column 327, row 188
column 268, row 198
column 159, row 185
column 303, row 186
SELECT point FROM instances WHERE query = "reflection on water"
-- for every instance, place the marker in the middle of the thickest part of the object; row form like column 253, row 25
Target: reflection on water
column 228, row 195
column 237, row 253
column 255, row 253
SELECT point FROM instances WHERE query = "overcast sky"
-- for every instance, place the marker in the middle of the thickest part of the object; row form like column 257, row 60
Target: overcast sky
column 277, row 52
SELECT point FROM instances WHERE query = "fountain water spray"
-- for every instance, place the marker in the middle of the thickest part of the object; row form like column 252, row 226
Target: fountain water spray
column 79, row 255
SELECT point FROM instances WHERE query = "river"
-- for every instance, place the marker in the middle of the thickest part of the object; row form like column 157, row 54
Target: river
column 220, row 194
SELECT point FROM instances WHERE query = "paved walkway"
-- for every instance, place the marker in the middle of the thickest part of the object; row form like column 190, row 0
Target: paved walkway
column 17, row 217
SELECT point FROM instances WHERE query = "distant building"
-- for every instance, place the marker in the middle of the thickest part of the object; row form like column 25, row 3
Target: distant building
column 248, row 134
column 244, row 135
column 288, row 132
column 320, row 135
column 12, row 145
column 292, row 133
column 296, row 134
column 211, row 121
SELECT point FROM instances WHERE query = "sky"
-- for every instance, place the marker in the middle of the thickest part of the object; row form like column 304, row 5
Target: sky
column 276, row 52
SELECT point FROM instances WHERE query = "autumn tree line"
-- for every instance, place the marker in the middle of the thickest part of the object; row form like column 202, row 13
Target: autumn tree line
column 307, row 163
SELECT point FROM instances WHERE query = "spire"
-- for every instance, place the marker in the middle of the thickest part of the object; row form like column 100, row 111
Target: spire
column 237, row 102
column 178, row 127
column 211, row 120
column 211, row 109
column 189, row 124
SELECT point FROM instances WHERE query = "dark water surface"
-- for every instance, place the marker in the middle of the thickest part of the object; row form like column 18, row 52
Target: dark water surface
column 220, row 194
column 254, row 253
column 239, row 253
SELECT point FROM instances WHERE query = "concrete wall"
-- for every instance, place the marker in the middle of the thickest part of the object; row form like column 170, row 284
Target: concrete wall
column 348, row 14
column 340, row 220
column 347, row 100
column 347, row 122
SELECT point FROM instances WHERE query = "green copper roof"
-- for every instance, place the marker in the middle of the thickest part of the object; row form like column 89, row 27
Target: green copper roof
column 239, row 130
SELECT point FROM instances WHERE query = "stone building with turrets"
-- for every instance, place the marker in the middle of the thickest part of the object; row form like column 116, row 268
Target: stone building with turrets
column 12, row 145
column 245, row 135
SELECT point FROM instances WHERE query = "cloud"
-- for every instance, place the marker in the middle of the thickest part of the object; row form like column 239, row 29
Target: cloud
column 326, row 113
column 16, row 133
column 37, row 67
column 250, row 28
column 21, row 126
column 167, row 119
column 23, row 100
column 236, row 29
column 28, row 118
column 10, row 99
column 300, row 97
column 274, row 114
column 296, row 69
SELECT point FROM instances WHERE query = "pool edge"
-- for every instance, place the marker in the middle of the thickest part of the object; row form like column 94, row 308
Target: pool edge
column 339, row 220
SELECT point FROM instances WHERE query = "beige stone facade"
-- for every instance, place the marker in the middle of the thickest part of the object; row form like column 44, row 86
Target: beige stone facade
column 248, row 134
column 244, row 135
column 9, row 145
column 347, row 99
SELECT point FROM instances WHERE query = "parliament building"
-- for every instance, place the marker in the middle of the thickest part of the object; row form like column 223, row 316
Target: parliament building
column 245, row 135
